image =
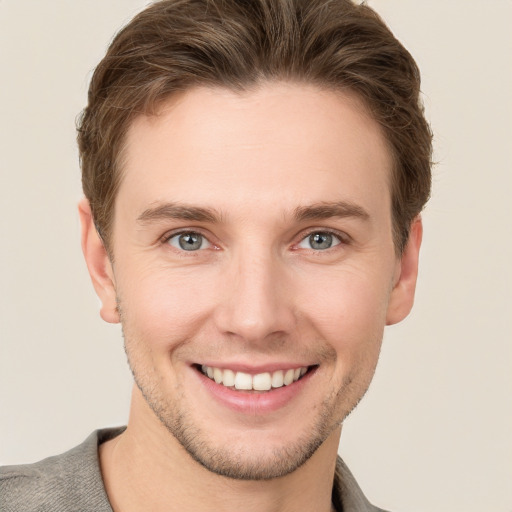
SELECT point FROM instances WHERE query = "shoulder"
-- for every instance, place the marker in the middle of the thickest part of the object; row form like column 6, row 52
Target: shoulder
column 347, row 496
column 67, row 482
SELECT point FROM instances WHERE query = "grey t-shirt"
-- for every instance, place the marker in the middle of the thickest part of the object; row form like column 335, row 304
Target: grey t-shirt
column 72, row 482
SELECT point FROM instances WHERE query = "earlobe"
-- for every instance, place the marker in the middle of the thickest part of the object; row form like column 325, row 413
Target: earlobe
column 98, row 264
column 402, row 294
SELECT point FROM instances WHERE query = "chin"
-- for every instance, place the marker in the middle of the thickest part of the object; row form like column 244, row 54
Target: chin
column 249, row 458
column 250, row 454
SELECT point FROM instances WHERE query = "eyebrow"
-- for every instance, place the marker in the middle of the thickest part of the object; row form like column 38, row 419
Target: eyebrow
column 341, row 209
column 317, row 211
column 179, row 212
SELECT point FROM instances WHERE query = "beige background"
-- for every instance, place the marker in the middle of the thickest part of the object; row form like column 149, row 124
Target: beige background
column 435, row 431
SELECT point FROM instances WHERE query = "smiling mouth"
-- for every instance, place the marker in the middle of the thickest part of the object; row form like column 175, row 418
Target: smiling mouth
column 265, row 381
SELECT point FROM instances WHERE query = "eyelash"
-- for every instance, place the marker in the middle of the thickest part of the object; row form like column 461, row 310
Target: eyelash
column 168, row 236
column 342, row 238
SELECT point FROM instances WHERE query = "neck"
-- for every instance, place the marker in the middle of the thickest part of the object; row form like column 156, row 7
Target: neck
column 145, row 468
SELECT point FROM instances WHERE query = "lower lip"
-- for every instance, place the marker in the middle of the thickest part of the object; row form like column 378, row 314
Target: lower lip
column 254, row 403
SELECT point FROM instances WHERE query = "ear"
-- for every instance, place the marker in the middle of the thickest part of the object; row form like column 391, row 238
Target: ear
column 402, row 294
column 98, row 264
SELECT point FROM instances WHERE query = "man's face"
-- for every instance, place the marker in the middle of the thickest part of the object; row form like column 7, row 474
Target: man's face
column 252, row 240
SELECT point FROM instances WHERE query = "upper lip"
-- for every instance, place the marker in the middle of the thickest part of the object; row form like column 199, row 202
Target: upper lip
column 254, row 369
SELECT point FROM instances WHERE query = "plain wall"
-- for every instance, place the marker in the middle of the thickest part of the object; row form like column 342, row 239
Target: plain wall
column 435, row 431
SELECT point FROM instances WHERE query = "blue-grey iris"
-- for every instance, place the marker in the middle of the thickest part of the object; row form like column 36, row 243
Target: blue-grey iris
column 320, row 241
column 190, row 241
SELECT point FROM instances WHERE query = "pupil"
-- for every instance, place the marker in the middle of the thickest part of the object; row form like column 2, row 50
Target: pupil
column 190, row 241
column 320, row 241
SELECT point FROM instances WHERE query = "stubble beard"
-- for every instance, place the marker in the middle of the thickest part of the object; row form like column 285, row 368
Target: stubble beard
column 237, row 462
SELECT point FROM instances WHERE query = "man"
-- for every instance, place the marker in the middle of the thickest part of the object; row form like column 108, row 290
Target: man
column 253, row 174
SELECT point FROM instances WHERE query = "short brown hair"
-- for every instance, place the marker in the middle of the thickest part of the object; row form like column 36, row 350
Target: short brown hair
column 176, row 44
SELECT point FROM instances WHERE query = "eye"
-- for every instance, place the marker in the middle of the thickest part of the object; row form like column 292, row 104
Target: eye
column 319, row 241
column 189, row 241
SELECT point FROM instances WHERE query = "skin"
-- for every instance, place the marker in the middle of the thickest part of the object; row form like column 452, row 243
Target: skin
column 270, row 166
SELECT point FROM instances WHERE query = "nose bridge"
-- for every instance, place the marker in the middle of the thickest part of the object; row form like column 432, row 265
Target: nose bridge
column 256, row 300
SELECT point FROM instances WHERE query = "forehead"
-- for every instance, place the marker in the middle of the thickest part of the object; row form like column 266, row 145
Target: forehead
column 285, row 142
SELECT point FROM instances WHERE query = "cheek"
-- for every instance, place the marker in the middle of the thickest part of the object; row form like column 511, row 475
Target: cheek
column 348, row 308
column 165, row 307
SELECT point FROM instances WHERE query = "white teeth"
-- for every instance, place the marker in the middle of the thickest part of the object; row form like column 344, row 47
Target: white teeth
column 259, row 382
column 217, row 375
column 243, row 380
column 262, row 382
column 229, row 378
column 288, row 377
column 277, row 379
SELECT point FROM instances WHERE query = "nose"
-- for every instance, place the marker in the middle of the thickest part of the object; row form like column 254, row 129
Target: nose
column 256, row 300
